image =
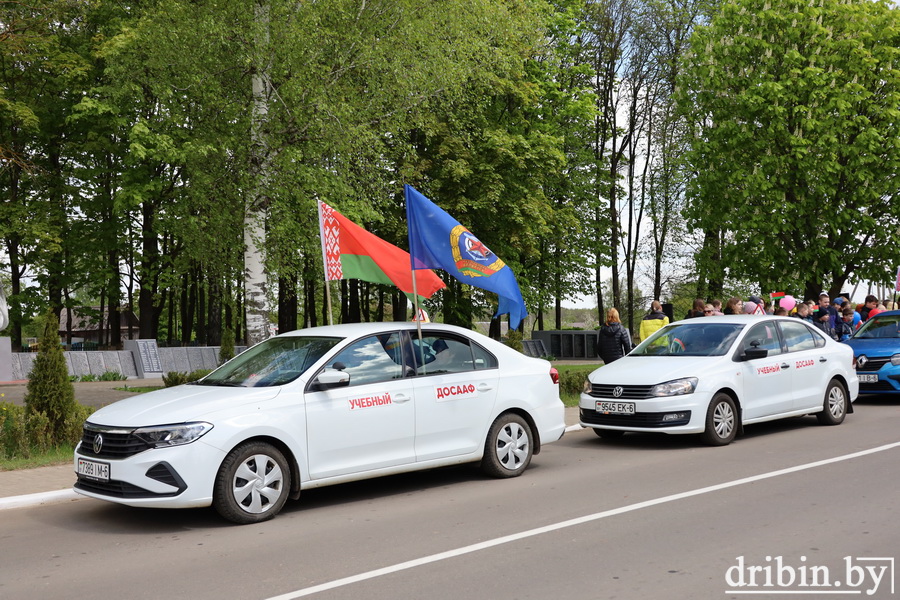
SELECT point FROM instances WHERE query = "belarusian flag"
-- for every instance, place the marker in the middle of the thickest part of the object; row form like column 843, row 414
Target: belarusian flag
column 351, row 252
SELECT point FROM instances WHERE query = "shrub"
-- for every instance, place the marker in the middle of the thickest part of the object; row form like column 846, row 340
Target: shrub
column 572, row 382
column 49, row 390
column 226, row 350
column 173, row 378
column 88, row 377
column 111, row 376
column 514, row 339
column 24, row 433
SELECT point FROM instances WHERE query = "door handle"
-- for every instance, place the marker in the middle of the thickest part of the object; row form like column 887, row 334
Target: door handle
column 785, row 366
column 401, row 398
column 823, row 359
column 483, row 387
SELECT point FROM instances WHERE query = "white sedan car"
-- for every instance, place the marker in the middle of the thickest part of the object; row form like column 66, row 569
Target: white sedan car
column 322, row 406
column 713, row 375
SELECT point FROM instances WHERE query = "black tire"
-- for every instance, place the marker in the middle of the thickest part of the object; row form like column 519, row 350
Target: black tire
column 609, row 434
column 252, row 484
column 721, row 421
column 508, row 448
column 834, row 408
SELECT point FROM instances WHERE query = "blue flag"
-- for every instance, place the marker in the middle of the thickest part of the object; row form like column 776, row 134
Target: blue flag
column 438, row 241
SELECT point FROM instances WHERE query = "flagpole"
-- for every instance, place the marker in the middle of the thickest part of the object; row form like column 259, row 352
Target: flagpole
column 324, row 261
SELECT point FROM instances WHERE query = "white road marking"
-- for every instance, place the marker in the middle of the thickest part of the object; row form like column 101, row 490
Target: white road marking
column 330, row 585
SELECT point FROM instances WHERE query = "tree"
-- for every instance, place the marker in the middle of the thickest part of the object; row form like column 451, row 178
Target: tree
column 794, row 150
column 49, row 389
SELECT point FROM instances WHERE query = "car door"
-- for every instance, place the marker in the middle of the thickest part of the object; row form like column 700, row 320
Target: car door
column 767, row 381
column 369, row 423
column 808, row 364
column 455, row 391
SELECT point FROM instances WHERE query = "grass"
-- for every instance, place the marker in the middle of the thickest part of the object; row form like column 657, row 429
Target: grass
column 56, row 456
column 140, row 390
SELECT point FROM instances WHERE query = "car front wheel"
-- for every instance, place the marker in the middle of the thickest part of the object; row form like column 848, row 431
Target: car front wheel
column 721, row 421
column 835, row 406
column 252, row 484
column 508, row 448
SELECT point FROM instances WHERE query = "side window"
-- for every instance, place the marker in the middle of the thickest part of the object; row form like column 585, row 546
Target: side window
column 372, row 359
column 443, row 354
column 763, row 336
column 483, row 358
column 797, row 336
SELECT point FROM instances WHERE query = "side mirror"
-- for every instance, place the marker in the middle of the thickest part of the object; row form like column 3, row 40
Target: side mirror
column 330, row 379
column 754, row 353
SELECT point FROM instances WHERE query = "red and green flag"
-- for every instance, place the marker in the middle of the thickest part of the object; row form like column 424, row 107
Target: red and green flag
column 351, row 252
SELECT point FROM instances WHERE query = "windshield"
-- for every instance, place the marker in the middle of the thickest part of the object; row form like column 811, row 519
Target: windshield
column 275, row 361
column 690, row 339
column 879, row 326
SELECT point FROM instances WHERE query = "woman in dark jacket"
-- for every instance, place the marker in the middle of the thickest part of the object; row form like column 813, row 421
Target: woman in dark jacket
column 613, row 340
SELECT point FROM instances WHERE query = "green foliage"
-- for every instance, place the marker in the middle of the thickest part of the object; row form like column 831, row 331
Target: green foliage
column 25, row 433
column 173, row 378
column 226, row 348
column 514, row 339
column 111, row 376
column 571, row 381
column 49, row 390
column 795, row 123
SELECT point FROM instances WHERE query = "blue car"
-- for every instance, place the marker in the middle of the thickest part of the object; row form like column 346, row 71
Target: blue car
column 876, row 354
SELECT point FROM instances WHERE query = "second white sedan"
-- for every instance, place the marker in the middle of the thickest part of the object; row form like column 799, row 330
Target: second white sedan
column 713, row 375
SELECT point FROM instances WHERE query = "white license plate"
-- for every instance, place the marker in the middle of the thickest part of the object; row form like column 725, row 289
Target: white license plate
column 868, row 378
column 94, row 470
column 615, row 408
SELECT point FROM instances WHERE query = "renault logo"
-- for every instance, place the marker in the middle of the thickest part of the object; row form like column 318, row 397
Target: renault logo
column 617, row 391
column 98, row 443
column 861, row 361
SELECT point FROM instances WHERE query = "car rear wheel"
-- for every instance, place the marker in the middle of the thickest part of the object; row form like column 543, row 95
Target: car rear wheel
column 609, row 434
column 252, row 484
column 835, row 407
column 721, row 421
column 508, row 448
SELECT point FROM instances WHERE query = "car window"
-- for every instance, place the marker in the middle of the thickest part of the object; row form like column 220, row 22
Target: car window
column 483, row 358
column 443, row 353
column 690, row 339
column 371, row 359
column 275, row 361
column 883, row 327
column 797, row 336
column 763, row 336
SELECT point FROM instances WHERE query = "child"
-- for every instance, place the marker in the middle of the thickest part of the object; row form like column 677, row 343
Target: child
column 845, row 325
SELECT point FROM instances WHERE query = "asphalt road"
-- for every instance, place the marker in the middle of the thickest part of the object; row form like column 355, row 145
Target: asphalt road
column 645, row 516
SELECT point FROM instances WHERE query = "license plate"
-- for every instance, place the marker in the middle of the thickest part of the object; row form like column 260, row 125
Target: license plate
column 615, row 408
column 868, row 378
column 94, row 470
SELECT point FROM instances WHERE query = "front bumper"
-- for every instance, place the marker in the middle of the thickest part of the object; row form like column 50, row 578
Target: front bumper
column 177, row 477
column 683, row 414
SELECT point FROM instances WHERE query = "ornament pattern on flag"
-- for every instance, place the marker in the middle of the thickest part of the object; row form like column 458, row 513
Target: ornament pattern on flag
column 331, row 240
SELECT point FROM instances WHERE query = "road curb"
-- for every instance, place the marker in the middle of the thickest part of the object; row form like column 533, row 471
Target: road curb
column 38, row 499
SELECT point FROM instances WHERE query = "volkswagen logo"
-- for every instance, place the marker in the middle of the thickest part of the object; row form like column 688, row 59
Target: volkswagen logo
column 861, row 361
column 98, row 443
column 617, row 391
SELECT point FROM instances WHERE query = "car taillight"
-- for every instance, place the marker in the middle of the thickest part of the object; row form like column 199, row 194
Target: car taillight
column 554, row 375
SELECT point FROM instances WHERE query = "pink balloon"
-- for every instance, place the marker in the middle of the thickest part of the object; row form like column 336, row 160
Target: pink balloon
column 788, row 303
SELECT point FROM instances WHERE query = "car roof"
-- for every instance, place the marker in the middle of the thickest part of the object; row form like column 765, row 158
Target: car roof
column 731, row 319
column 345, row 330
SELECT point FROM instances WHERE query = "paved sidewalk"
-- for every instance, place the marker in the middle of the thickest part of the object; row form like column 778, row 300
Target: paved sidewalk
column 45, row 485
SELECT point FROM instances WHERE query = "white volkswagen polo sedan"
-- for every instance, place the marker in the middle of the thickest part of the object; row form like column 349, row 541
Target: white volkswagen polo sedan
column 713, row 375
column 322, row 406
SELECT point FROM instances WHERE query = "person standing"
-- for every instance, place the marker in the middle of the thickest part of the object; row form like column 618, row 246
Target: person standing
column 871, row 303
column 613, row 340
column 653, row 320
column 696, row 310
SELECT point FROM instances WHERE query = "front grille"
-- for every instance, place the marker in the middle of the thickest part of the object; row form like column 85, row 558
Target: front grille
column 119, row 489
column 645, row 419
column 629, row 392
column 873, row 364
column 881, row 386
column 117, row 443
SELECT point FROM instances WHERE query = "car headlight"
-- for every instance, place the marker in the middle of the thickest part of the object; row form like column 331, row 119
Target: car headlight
column 677, row 387
column 586, row 388
column 895, row 360
column 163, row 436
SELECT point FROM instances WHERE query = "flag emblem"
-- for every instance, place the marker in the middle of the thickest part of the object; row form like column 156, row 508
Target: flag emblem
column 471, row 256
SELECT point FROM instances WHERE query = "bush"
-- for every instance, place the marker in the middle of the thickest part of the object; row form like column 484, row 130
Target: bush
column 514, row 339
column 112, row 376
column 226, row 349
column 88, row 377
column 173, row 378
column 49, row 390
column 572, row 382
column 24, row 434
